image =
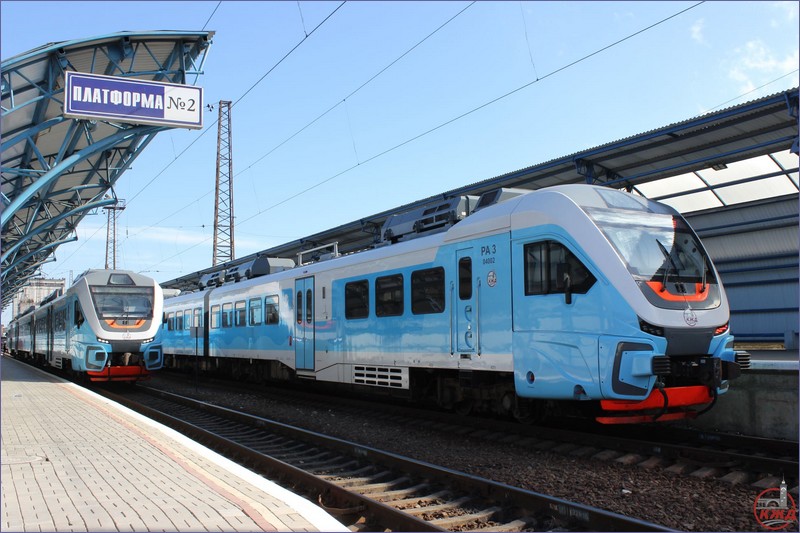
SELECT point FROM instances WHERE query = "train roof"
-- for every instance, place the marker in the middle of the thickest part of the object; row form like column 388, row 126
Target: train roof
column 749, row 130
column 114, row 277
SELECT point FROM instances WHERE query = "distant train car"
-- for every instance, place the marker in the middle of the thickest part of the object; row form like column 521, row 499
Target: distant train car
column 571, row 298
column 105, row 326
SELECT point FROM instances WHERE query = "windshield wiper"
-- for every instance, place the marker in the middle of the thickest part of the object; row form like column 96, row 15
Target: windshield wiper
column 667, row 270
column 705, row 271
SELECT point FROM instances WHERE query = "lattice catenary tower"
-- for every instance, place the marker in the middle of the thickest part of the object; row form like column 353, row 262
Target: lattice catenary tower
column 223, row 199
column 111, row 233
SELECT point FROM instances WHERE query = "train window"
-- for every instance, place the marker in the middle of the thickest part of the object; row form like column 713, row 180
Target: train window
column 356, row 299
column 465, row 278
column 187, row 319
column 309, row 306
column 536, row 268
column 60, row 320
column 227, row 315
column 214, row 318
column 255, row 312
column 240, row 316
column 299, row 307
column 550, row 268
column 78, row 320
column 170, row 321
column 427, row 291
column 389, row 295
column 198, row 313
column 179, row 321
column 120, row 279
column 271, row 310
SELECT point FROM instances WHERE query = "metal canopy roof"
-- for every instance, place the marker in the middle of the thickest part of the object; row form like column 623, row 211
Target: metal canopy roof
column 56, row 169
column 680, row 155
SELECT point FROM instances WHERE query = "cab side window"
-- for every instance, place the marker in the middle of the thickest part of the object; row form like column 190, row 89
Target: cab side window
column 78, row 314
column 550, row 268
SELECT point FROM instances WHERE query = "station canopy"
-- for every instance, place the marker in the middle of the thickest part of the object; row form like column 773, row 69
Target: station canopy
column 55, row 169
column 739, row 154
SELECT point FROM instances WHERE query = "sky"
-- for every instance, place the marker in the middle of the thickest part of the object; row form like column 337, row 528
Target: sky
column 480, row 89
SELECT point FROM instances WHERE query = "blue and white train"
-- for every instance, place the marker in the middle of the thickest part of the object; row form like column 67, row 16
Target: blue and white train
column 104, row 328
column 567, row 297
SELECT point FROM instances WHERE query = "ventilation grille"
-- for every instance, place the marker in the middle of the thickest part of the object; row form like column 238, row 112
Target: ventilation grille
column 743, row 359
column 378, row 376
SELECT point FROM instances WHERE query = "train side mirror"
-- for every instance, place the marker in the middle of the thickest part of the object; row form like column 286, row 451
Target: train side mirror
column 563, row 274
column 567, row 290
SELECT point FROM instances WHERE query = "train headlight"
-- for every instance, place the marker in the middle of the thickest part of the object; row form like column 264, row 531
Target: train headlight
column 649, row 328
column 148, row 340
column 103, row 341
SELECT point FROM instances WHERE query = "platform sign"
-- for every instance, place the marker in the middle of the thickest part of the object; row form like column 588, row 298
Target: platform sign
column 133, row 101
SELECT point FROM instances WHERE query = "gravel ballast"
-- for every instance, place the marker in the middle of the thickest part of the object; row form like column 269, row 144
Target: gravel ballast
column 653, row 494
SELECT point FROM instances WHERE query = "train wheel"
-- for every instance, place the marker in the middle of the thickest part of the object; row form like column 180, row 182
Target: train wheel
column 528, row 411
column 463, row 407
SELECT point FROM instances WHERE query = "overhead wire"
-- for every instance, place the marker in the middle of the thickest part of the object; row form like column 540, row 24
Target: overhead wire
column 302, row 20
column 457, row 118
column 173, row 150
column 527, row 41
column 211, row 15
column 253, row 86
column 475, row 109
column 331, row 108
column 753, row 90
column 196, row 139
column 357, row 89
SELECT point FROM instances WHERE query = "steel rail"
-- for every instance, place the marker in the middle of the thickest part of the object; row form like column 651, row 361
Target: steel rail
column 574, row 515
column 704, row 448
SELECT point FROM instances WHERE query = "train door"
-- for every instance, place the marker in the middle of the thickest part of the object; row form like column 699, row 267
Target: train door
column 32, row 324
column 50, row 336
column 304, row 324
column 464, row 305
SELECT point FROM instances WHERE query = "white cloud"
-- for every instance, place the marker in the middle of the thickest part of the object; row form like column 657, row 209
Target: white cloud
column 697, row 31
column 787, row 13
column 171, row 235
column 755, row 64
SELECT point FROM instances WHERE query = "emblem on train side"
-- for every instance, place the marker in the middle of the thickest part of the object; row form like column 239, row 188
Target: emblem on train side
column 775, row 509
column 690, row 317
column 491, row 278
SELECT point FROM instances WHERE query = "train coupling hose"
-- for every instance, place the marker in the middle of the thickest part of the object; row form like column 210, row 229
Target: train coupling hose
column 660, row 386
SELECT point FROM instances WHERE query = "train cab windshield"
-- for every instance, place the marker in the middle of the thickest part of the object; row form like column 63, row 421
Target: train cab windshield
column 661, row 252
column 123, row 302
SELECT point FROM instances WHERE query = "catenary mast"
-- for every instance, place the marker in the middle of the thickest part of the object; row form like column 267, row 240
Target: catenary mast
column 223, row 198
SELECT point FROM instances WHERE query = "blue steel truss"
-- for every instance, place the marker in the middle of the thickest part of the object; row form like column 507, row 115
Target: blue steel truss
column 56, row 169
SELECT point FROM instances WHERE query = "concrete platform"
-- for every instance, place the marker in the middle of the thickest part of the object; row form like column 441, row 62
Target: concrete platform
column 763, row 402
column 74, row 461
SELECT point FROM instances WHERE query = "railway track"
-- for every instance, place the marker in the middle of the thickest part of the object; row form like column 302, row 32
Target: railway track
column 368, row 488
column 736, row 459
